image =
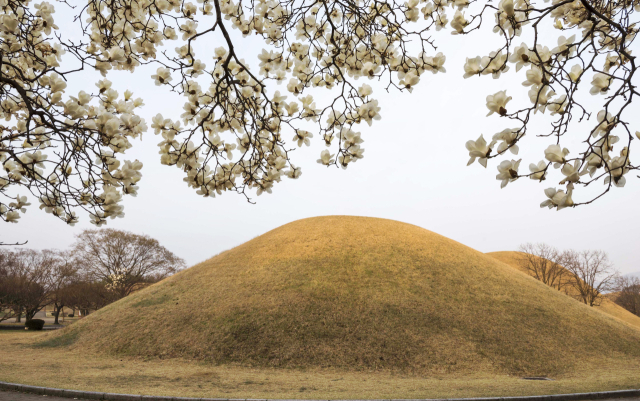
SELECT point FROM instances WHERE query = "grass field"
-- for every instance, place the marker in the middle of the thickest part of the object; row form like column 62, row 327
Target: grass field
column 22, row 362
column 48, row 322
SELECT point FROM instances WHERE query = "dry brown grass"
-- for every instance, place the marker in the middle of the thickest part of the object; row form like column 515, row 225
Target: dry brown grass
column 355, row 295
column 77, row 370
column 607, row 306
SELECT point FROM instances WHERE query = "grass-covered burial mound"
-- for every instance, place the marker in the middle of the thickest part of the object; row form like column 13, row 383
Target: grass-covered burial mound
column 357, row 293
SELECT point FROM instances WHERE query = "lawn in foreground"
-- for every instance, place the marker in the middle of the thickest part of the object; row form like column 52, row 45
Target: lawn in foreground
column 61, row 367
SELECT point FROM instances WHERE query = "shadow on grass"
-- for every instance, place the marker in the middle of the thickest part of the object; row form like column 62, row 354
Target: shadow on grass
column 62, row 340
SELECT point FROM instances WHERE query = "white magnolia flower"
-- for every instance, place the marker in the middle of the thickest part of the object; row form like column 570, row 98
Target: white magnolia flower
column 472, row 67
column 497, row 103
column 410, row 80
column 558, row 198
column 556, row 154
column 437, row 63
column 302, row 137
column 162, row 76
column 459, row 22
column 540, row 97
column 611, row 61
column 563, row 45
column 441, row 21
column 606, row 123
column 11, row 216
column 598, row 155
column 478, row 149
column 575, row 73
column 542, row 54
column 369, row 111
column 520, row 56
column 20, row 203
column 600, row 84
column 538, row 171
column 507, row 7
column 295, row 172
column 365, row 90
column 325, row 158
column 571, row 172
column 495, row 64
column 617, row 168
column 557, row 106
column 534, row 76
column 508, row 137
column 508, row 171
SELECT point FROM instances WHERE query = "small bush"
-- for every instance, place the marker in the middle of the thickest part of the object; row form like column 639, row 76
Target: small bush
column 34, row 324
column 70, row 315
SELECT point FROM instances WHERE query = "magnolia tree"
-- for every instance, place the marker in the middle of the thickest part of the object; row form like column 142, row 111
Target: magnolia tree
column 122, row 260
column 238, row 128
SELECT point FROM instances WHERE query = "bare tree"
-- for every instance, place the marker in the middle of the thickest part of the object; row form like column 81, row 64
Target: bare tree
column 592, row 272
column 123, row 259
column 544, row 263
column 28, row 280
column 85, row 295
column 7, row 288
column 63, row 274
column 628, row 293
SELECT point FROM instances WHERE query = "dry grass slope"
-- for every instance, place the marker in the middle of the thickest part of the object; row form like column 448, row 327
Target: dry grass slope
column 607, row 306
column 354, row 293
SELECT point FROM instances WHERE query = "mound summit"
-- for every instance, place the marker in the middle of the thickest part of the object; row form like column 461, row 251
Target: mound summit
column 356, row 293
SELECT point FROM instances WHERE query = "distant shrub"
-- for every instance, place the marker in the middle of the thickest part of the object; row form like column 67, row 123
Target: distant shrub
column 34, row 324
column 70, row 315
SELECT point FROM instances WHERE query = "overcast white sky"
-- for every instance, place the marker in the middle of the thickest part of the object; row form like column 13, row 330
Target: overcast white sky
column 414, row 170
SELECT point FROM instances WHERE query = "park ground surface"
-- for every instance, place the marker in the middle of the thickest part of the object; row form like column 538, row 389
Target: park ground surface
column 23, row 362
column 14, row 396
column 48, row 321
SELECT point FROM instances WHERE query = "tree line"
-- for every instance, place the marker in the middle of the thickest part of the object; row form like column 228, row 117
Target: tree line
column 588, row 276
column 101, row 267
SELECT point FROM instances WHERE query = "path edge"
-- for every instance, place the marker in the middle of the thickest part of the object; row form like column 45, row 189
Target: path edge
column 91, row 395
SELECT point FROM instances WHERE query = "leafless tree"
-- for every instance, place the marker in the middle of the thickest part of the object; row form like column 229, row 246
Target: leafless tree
column 593, row 274
column 7, row 289
column 27, row 282
column 123, row 260
column 628, row 293
column 85, row 295
column 63, row 274
column 544, row 263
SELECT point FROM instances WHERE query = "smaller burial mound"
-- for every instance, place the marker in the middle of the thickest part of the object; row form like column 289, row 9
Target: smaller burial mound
column 607, row 306
column 356, row 293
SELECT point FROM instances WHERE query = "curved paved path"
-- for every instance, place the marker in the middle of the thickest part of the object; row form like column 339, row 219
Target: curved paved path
column 14, row 396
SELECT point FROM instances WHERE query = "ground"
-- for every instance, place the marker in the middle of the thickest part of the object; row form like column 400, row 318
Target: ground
column 13, row 396
column 22, row 363
column 336, row 308
column 48, row 321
